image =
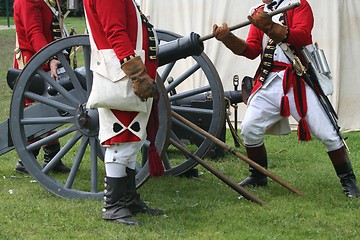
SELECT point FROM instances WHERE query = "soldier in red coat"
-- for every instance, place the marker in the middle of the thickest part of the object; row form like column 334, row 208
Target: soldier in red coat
column 279, row 93
column 34, row 29
column 113, row 28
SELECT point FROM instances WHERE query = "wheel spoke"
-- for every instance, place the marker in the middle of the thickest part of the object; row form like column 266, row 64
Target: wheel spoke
column 145, row 152
column 94, row 164
column 167, row 71
column 100, row 150
column 190, row 93
column 58, row 87
column 88, row 72
column 187, row 128
column 74, row 80
column 183, row 77
column 47, row 120
column 65, row 149
column 51, row 138
column 50, row 102
column 176, row 139
column 78, row 158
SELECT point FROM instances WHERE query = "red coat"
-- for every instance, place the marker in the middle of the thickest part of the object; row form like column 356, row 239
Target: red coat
column 113, row 25
column 32, row 20
column 300, row 22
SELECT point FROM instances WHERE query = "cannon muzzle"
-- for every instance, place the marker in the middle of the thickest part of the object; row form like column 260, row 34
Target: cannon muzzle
column 180, row 48
column 37, row 83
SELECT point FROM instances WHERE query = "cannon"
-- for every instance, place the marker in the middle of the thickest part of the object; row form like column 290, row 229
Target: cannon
column 61, row 106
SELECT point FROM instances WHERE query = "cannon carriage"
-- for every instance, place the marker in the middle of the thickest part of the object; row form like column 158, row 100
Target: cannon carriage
column 61, row 105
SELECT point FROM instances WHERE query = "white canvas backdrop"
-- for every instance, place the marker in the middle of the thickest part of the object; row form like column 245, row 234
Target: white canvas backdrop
column 337, row 30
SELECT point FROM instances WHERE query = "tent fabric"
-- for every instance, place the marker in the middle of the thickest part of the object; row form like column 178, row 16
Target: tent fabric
column 336, row 30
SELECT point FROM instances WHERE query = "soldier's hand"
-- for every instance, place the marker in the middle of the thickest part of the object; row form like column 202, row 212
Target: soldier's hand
column 143, row 85
column 221, row 33
column 53, row 65
column 263, row 21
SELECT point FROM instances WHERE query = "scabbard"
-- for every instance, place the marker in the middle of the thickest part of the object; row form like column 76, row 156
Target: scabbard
column 324, row 101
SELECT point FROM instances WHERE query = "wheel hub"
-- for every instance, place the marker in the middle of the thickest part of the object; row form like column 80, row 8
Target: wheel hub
column 87, row 120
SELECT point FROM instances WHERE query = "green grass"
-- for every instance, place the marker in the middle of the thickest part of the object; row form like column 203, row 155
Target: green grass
column 202, row 208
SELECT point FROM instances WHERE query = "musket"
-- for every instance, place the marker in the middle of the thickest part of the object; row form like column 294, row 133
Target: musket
column 184, row 121
column 309, row 76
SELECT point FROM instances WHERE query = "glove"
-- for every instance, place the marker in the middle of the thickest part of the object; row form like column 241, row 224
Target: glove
column 144, row 87
column 263, row 21
column 223, row 34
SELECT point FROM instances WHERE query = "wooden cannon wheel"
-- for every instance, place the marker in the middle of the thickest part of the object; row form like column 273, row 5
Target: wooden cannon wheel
column 63, row 115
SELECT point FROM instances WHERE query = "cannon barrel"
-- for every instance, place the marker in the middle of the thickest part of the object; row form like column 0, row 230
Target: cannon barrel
column 180, row 48
column 201, row 99
column 66, row 83
column 37, row 83
column 234, row 96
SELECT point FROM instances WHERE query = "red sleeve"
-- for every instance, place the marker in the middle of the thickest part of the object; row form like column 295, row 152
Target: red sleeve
column 32, row 16
column 254, row 43
column 113, row 17
column 300, row 23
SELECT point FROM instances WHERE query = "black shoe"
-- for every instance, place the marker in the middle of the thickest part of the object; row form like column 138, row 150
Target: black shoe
column 350, row 189
column 145, row 209
column 254, row 182
column 133, row 200
column 59, row 168
column 127, row 221
column 136, row 205
column 20, row 167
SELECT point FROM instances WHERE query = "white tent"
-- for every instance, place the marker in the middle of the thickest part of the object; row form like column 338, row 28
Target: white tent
column 337, row 31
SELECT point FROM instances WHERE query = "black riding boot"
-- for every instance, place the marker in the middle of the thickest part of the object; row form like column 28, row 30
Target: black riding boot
column 115, row 201
column 256, row 178
column 49, row 152
column 134, row 203
column 19, row 167
column 344, row 171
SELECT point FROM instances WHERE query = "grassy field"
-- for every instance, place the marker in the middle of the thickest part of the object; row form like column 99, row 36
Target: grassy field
column 195, row 208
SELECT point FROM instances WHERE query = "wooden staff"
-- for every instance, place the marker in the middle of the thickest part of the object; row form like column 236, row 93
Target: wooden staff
column 234, row 152
column 231, row 183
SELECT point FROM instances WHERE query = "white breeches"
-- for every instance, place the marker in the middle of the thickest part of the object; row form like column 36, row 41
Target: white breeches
column 120, row 156
column 263, row 112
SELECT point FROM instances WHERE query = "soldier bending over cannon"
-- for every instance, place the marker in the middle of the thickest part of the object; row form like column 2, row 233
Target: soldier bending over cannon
column 37, row 26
